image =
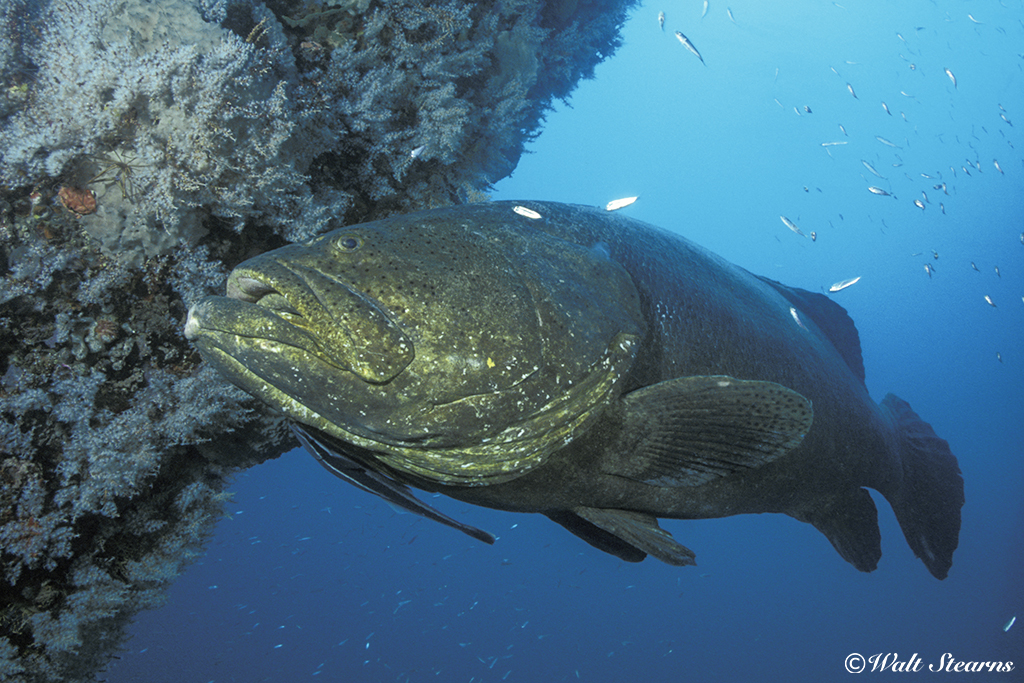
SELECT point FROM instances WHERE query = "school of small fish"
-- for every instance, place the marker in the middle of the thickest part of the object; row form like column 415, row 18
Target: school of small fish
column 901, row 148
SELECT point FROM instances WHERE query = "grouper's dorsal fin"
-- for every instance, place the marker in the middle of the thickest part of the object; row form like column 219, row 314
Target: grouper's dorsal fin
column 689, row 431
column 830, row 317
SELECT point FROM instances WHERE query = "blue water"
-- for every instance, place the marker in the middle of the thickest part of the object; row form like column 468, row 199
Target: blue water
column 313, row 580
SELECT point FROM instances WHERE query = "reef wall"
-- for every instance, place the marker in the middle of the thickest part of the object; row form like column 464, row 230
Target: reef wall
column 145, row 149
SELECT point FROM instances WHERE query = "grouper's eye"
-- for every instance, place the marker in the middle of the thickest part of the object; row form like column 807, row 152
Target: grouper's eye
column 348, row 243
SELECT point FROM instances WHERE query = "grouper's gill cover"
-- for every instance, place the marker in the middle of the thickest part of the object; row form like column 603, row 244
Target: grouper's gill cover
column 458, row 352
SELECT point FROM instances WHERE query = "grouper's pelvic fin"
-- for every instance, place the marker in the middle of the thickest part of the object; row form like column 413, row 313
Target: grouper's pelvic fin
column 928, row 500
column 629, row 535
column 331, row 454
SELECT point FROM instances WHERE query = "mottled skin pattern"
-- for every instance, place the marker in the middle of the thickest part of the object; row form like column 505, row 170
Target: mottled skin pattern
column 599, row 302
column 705, row 316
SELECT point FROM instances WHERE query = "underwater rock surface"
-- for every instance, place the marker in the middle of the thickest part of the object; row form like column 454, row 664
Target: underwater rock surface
column 146, row 149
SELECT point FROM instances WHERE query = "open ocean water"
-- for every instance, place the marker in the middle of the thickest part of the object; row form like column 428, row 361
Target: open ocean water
column 312, row 580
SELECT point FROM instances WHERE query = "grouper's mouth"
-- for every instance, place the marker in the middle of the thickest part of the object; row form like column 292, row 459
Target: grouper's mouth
column 253, row 291
column 300, row 307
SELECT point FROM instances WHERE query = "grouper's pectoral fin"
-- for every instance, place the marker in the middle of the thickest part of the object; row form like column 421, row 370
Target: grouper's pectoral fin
column 628, row 535
column 691, row 430
column 333, row 458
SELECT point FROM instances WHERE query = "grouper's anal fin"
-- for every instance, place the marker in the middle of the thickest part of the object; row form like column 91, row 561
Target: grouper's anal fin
column 604, row 541
column 831, row 318
column 850, row 522
column 332, row 456
column 689, row 431
column 628, row 535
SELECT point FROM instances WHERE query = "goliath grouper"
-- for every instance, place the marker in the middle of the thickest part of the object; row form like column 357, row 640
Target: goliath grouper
column 562, row 360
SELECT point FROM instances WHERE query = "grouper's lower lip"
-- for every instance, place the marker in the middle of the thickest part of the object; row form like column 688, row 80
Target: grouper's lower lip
column 266, row 372
column 265, row 366
column 223, row 322
column 344, row 325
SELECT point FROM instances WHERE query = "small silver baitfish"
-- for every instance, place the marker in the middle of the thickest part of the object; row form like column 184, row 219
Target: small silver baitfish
column 792, row 226
column 843, row 284
column 617, row 204
column 689, row 46
column 872, row 169
column 528, row 213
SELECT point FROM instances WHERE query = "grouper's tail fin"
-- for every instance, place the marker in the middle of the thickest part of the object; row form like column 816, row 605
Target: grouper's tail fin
column 928, row 501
